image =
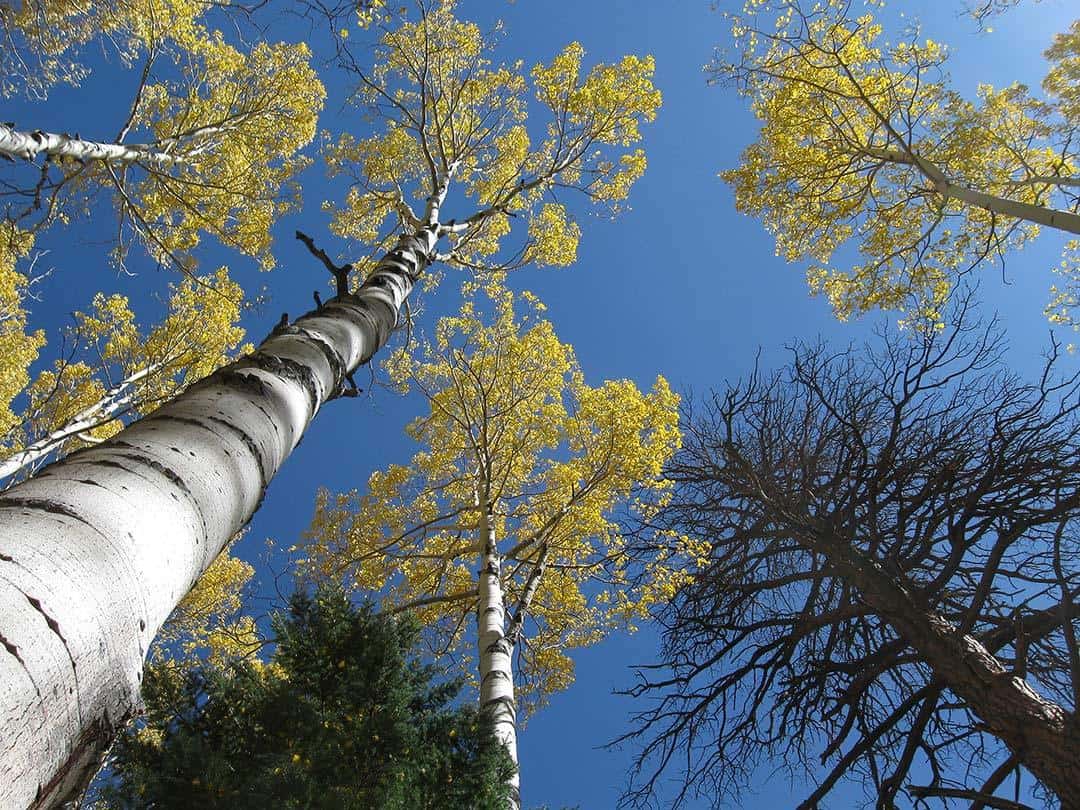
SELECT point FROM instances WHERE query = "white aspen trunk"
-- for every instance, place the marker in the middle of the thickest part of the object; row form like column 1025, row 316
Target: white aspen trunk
column 115, row 403
column 28, row 145
column 97, row 550
column 1050, row 217
column 1037, row 214
column 496, row 652
column 532, row 584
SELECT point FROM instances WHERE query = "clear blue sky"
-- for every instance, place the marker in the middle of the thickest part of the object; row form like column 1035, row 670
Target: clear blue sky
column 680, row 285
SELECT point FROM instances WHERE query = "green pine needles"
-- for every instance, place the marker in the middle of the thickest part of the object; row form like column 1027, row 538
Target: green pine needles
column 343, row 716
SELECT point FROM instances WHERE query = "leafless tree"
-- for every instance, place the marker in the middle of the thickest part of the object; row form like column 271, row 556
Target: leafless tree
column 892, row 587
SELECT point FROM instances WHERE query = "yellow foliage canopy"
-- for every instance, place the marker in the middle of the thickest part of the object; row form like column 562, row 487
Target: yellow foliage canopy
column 863, row 142
column 513, row 430
column 121, row 371
column 222, row 129
column 448, row 109
column 18, row 348
column 240, row 120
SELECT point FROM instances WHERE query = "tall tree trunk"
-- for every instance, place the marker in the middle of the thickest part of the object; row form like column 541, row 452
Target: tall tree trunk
column 28, row 145
column 496, row 652
column 97, row 549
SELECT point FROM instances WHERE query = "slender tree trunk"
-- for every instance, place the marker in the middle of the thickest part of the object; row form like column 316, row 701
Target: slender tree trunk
column 28, row 145
column 97, row 550
column 496, row 652
column 116, row 402
column 1002, row 206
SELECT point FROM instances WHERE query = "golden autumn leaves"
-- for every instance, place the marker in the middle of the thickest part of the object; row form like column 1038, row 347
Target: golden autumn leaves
column 236, row 122
column 232, row 124
column 512, row 429
column 864, row 144
column 445, row 106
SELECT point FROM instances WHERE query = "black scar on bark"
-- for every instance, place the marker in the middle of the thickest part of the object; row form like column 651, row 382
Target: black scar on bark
column 290, row 370
column 332, row 355
column 105, row 462
column 13, row 649
column 233, row 377
column 45, row 505
column 49, row 620
column 82, row 763
column 148, row 461
column 251, row 445
column 55, row 627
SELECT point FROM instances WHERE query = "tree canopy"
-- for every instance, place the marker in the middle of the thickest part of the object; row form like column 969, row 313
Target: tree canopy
column 864, row 143
column 342, row 715
column 892, row 583
column 449, row 112
column 514, row 438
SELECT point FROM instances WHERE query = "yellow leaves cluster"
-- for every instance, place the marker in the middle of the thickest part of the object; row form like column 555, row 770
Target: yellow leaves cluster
column 383, row 162
column 207, row 623
column 18, row 348
column 553, row 240
column 510, row 154
column 1062, row 82
column 514, row 432
column 609, row 102
column 447, row 104
column 233, row 121
column 43, row 37
column 199, row 333
column 1065, row 298
column 239, row 122
column 861, row 142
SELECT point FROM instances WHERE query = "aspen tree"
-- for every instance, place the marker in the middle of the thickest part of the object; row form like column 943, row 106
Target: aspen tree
column 116, row 371
column 864, row 143
column 508, row 517
column 222, row 142
column 18, row 347
column 43, row 40
column 99, row 548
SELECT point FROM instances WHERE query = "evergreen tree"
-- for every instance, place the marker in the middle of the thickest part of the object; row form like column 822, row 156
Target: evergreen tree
column 343, row 716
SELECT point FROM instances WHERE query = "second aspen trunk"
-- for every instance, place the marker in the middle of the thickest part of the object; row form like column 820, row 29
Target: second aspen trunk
column 497, row 698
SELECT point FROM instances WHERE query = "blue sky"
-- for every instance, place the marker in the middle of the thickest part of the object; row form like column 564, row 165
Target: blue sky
column 680, row 285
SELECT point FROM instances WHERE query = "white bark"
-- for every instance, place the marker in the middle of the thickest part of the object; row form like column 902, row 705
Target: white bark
column 116, row 402
column 1050, row 217
column 28, row 145
column 97, row 549
column 496, row 653
column 1003, row 206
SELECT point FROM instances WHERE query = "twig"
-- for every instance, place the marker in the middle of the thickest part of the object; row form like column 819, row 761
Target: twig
column 340, row 274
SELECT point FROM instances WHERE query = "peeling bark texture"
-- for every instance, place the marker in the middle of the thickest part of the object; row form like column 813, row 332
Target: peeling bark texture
column 28, row 145
column 97, row 549
column 496, row 653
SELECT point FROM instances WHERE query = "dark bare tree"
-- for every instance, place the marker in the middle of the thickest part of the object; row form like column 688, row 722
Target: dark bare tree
column 893, row 587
